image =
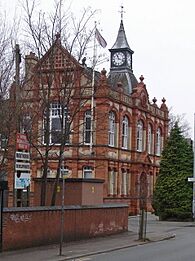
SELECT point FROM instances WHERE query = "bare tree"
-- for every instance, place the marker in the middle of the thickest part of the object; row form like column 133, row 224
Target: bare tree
column 7, row 34
column 57, row 81
column 182, row 122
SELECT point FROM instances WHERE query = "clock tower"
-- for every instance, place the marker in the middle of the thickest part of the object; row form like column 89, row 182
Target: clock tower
column 121, row 61
column 121, row 53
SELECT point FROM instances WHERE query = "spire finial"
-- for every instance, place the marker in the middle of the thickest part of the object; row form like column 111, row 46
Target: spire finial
column 122, row 12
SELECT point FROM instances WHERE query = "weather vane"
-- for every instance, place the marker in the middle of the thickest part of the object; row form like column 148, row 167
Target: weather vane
column 122, row 12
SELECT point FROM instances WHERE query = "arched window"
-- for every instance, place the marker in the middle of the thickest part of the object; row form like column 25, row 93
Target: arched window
column 150, row 139
column 87, row 127
column 158, row 142
column 125, row 133
column 87, row 172
column 140, row 136
column 112, row 129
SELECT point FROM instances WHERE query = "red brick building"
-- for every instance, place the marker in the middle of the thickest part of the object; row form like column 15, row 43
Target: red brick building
column 117, row 135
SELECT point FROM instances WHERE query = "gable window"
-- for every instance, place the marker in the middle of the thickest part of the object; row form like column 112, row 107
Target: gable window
column 87, row 127
column 125, row 132
column 112, row 129
column 87, row 172
column 59, row 126
column 158, row 142
column 140, row 136
column 150, row 139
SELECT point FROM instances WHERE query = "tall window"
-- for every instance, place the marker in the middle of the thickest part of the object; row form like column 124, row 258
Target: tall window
column 158, row 142
column 59, row 126
column 125, row 183
column 112, row 129
column 87, row 127
column 112, row 182
column 87, row 172
column 150, row 139
column 125, row 132
column 140, row 136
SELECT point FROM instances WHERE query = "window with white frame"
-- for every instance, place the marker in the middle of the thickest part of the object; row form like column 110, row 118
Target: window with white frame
column 140, row 136
column 111, row 182
column 59, row 126
column 87, row 127
column 158, row 142
column 125, row 132
column 64, row 171
column 150, row 139
column 125, row 183
column 87, row 172
column 112, row 129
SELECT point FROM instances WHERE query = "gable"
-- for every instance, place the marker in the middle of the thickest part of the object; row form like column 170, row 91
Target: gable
column 57, row 58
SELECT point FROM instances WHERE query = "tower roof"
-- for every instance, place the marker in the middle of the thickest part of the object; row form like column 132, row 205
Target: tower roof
column 122, row 73
column 121, row 40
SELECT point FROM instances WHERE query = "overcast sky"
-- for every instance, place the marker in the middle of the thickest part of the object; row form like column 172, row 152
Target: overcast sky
column 162, row 35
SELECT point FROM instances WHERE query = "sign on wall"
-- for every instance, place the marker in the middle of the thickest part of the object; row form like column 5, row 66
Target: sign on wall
column 22, row 156
column 22, row 142
column 22, row 166
column 23, row 181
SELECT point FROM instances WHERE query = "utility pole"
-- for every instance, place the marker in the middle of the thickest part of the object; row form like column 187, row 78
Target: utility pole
column 62, row 215
column 143, row 207
column 17, row 105
column 17, row 64
column 64, row 174
column 3, row 186
column 193, row 178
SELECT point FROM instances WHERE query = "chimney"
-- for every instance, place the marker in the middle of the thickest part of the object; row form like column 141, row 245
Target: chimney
column 30, row 62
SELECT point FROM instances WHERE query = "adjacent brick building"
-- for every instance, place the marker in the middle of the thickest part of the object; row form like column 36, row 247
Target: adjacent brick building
column 111, row 129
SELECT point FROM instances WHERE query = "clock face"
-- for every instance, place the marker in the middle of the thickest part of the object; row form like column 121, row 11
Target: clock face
column 118, row 58
column 129, row 59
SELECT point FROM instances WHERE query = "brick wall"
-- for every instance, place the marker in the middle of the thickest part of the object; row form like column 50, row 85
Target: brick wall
column 28, row 227
column 76, row 191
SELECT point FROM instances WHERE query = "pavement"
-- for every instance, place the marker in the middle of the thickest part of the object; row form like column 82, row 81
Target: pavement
column 155, row 231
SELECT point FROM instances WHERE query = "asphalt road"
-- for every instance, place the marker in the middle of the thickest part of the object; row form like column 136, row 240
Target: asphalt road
column 181, row 248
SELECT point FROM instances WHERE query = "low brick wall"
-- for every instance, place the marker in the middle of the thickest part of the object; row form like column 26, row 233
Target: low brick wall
column 35, row 226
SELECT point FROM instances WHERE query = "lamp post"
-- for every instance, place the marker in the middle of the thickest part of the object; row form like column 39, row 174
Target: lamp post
column 62, row 213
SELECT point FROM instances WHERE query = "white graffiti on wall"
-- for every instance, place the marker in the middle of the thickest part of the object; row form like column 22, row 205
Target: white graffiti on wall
column 17, row 218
